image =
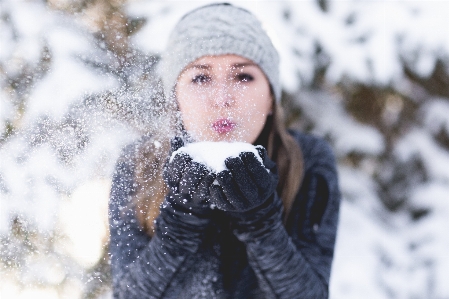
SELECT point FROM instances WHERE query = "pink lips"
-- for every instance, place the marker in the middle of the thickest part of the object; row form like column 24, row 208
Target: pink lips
column 223, row 126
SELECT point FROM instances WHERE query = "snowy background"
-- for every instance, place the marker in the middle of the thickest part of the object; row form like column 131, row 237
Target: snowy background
column 77, row 83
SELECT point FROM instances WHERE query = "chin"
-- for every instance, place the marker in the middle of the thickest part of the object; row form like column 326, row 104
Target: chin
column 233, row 138
column 223, row 137
column 213, row 136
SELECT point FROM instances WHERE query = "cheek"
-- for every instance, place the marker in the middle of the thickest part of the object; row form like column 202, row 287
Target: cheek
column 194, row 113
column 252, row 120
column 258, row 103
column 256, row 111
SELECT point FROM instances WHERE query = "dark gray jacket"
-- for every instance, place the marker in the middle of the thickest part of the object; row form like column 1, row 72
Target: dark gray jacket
column 220, row 261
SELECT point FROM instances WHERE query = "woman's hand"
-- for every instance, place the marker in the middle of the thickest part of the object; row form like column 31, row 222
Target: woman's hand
column 185, row 213
column 188, row 180
column 246, row 184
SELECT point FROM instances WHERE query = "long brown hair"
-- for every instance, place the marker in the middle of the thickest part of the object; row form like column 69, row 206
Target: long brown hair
column 152, row 154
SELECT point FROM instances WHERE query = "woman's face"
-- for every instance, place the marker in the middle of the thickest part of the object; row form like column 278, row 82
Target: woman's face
column 223, row 98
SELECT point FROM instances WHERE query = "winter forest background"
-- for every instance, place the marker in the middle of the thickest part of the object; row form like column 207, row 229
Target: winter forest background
column 77, row 83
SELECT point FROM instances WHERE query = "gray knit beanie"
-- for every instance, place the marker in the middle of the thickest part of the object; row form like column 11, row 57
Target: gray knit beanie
column 219, row 29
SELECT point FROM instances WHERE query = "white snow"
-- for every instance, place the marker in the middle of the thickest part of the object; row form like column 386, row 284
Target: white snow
column 6, row 111
column 436, row 115
column 68, row 79
column 418, row 142
column 214, row 154
column 347, row 134
column 24, row 41
column 85, row 239
column 356, row 261
column 430, row 235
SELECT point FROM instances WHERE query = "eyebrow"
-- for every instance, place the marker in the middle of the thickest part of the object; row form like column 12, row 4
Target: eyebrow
column 240, row 65
column 208, row 67
column 199, row 66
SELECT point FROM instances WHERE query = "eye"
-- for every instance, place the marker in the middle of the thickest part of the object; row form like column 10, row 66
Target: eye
column 244, row 77
column 200, row 79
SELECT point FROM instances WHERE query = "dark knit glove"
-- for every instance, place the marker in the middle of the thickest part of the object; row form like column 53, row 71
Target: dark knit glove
column 185, row 213
column 188, row 180
column 246, row 183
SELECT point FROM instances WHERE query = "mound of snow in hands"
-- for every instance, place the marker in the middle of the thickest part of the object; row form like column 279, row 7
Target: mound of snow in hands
column 214, row 154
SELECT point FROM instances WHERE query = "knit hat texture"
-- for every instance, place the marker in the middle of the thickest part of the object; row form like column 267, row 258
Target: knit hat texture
column 219, row 29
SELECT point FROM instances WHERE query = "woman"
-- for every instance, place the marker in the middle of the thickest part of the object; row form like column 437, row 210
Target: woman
column 272, row 233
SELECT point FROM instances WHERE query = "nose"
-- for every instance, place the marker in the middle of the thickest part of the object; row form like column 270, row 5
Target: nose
column 223, row 95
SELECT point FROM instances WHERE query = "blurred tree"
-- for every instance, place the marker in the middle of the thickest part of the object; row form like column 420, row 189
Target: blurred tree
column 78, row 82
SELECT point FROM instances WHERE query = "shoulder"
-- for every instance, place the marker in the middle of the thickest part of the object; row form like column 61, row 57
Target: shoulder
column 128, row 154
column 123, row 178
column 316, row 151
column 125, row 166
column 130, row 150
